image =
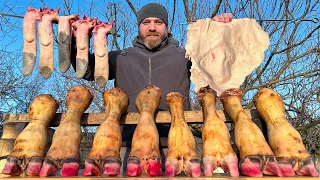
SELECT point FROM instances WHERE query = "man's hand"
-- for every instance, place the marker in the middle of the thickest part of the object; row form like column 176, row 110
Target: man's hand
column 224, row 18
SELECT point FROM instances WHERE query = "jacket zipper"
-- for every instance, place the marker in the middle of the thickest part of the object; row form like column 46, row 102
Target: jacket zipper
column 149, row 69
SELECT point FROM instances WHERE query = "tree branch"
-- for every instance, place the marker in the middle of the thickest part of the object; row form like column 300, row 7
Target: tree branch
column 260, row 72
column 114, row 34
column 11, row 15
column 305, row 128
column 173, row 13
column 216, row 9
column 186, row 10
column 193, row 11
column 297, row 44
column 305, row 74
column 132, row 8
column 291, row 60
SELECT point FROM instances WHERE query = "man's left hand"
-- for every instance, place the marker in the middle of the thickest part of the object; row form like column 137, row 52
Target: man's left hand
column 224, row 18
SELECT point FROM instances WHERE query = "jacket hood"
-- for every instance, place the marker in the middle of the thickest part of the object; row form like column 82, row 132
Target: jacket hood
column 137, row 42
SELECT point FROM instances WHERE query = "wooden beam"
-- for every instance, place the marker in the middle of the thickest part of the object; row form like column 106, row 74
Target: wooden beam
column 94, row 119
column 144, row 177
column 11, row 129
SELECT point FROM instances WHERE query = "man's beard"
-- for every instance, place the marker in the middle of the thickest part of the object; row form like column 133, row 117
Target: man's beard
column 152, row 43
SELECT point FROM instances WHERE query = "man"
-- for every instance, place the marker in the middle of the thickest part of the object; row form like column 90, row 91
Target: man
column 155, row 58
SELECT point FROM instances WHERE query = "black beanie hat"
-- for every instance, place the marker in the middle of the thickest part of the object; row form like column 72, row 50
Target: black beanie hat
column 153, row 10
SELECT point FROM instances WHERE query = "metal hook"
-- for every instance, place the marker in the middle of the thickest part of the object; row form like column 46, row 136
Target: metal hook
column 11, row 15
column 314, row 20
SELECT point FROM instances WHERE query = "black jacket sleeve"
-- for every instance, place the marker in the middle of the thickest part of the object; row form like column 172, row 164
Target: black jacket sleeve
column 89, row 75
column 113, row 64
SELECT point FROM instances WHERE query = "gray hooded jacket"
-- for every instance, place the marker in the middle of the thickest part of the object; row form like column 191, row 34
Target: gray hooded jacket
column 136, row 67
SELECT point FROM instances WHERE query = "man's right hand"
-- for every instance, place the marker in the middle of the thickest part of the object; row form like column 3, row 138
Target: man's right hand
column 224, row 18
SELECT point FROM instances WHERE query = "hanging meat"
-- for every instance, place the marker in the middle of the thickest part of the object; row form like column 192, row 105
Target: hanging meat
column 256, row 156
column 31, row 143
column 217, row 150
column 284, row 139
column 223, row 54
column 64, row 40
column 83, row 29
column 64, row 150
column 29, row 40
column 145, row 153
column 101, row 72
column 182, row 155
column 105, row 151
column 46, row 17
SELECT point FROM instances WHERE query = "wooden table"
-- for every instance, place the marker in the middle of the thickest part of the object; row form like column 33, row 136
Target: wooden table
column 14, row 124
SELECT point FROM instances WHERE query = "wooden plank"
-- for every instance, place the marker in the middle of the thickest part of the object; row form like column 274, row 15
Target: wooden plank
column 129, row 118
column 6, row 146
column 11, row 130
column 93, row 119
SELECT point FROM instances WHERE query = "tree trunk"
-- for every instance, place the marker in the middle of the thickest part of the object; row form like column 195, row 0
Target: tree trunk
column 317, row 156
